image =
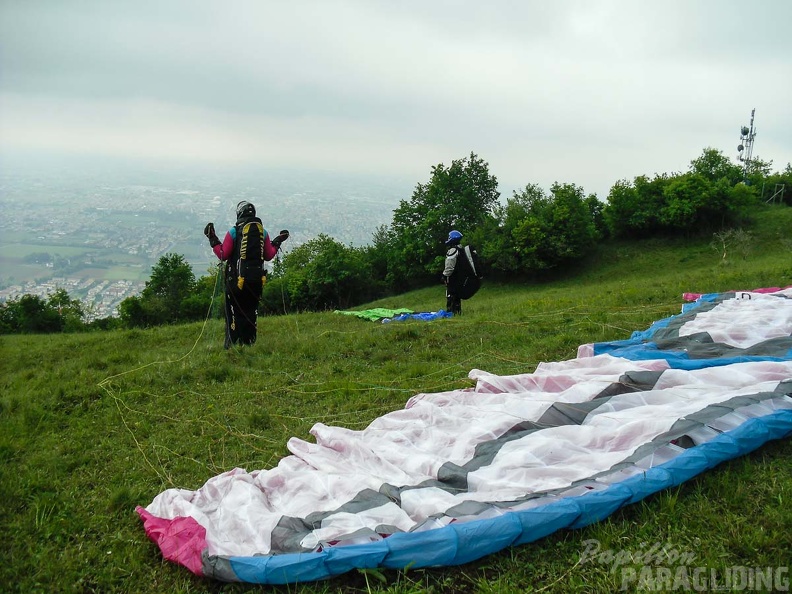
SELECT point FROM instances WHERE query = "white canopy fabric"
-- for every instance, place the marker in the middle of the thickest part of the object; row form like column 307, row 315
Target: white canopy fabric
column 511, row 444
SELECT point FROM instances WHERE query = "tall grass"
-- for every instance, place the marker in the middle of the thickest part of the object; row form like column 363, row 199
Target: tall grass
column 92, row 425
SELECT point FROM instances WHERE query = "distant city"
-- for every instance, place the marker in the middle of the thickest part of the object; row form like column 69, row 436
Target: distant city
column 97, row 232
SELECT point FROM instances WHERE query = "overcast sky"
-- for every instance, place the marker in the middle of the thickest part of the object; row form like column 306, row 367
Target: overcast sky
column 585, row 92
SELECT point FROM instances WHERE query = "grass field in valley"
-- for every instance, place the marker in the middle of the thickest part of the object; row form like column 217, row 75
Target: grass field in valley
column 92, row 425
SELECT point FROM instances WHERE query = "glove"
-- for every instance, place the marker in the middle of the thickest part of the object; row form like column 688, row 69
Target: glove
column 209, row 231
column 282, row 236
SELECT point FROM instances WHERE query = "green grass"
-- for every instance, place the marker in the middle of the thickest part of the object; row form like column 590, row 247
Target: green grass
column 92, row 425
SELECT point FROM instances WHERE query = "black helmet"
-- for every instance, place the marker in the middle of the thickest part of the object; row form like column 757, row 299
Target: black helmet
column 245, row 209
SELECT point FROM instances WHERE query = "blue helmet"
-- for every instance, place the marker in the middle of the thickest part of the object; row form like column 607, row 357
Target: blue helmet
column 453, row 238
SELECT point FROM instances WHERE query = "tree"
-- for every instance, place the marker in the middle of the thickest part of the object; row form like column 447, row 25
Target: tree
column 172, row 281
column 29, row 314
column 686, row 198
column 196, row 305
column 34, row 314
column 596, row 211
column 318, row 275
column 460, row 197
column 377, row 252
column 756, row 172
column 713, row 166
column 709, row 197
column 556, row 229
column 70, row 311
column 537, row 231
column 169, row 296
column 499, row 248
column 777, row 187
column 633, row 209
column 131, row 312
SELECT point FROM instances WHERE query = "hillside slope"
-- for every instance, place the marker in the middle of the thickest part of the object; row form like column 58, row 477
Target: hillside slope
column 93, row 424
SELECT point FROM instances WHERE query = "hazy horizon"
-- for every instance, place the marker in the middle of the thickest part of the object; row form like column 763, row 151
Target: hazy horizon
column 578, row 92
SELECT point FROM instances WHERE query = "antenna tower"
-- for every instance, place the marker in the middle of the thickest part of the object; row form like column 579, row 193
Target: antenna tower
column 747, row 135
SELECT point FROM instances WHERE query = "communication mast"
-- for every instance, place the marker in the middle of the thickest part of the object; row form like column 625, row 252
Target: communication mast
column 747, row 135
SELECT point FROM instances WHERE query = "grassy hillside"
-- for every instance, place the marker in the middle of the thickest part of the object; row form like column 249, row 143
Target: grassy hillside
column 92, row 425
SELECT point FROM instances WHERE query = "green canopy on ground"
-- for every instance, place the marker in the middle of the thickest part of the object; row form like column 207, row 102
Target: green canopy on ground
column 378, row 313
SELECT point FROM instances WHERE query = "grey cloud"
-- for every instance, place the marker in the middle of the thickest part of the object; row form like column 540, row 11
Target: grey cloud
column 570, row 83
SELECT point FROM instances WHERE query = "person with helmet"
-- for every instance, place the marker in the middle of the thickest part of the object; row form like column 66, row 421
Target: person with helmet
column 453, row 301
column 462, row 273
column 244, row 249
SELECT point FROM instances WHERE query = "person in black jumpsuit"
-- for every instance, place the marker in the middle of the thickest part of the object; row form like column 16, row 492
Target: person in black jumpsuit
column 241, row 303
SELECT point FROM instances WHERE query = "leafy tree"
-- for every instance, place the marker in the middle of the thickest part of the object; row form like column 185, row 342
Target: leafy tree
column 777, row 187
column 695, row 205
column 498, row 248
column 377, row 252
column 34, row 314
column 633, row 209
column 537, row 231
column 196, row 305
column 556, row 229
column 710, row 196
column 685, row 199
column 38, row 258
column 650, row 201
column 622, row 199
column 276, row 297
column 460, row 197
column 9, row 322
column 724, row 200
column 29, row 314
column 596, row 211
column 713, row 166
column 109, row 323
column 172, row 280
column 70, row 311
column 320, row 274
column 739, row 201
column 758, row 169
column 132, row 314
column 169, row 296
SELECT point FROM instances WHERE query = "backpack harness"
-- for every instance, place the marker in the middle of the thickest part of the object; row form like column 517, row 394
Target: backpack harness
column 248, row 264
column 467, row 279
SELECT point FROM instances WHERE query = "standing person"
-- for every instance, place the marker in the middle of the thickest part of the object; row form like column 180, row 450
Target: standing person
column 244, row 249
column 460, row 275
